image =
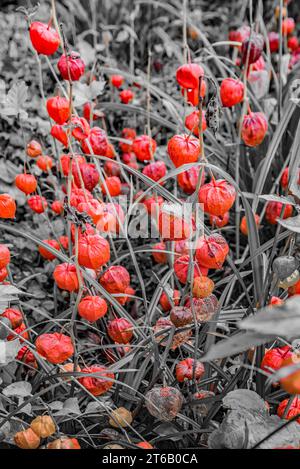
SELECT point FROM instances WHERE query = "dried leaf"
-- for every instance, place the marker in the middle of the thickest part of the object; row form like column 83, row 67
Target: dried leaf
column 18, row 389
column 15, row 100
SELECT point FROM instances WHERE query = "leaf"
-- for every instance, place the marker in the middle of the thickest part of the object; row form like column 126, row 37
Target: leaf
column 8, row 351
column 283, row 321
column 84, row 93
column 240, row 399
column 277, row 198
column 15, row 100
column 291, row 224
column 87, row 51
column 236, row 344
column 70, row 406
column 18, row 389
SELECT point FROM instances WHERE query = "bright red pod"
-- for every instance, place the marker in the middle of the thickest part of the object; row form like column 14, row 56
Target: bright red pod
column 65, row 276
column 93, row 251
column 71, row 66
column 55, row 347
column 14, row 315
column 284, row 181
column 188, row 75
column 113, row 185
column 165, row 302
column 44, row 39
column 145, row 445
column 45, row 163
column 120, row 330
column 7, row 206
column 254, row 128
column 252, row 48
column 127, row 134
column 291, row 383
column 116, row 279
column 173, row 228
column 26, row 183
column 58, row 109
column 259, row 65
column 89, row 175
column 99, row 384
column 59, row 134
column 273, row 358
column 57, row 207
column 92, row 308
column 188, row 180
column 219, row 221
column 293, row 43
column 34, row 149
column 212, row 251
column 4, row 256
column 231, row 92
column 126, row 96
column 187, row 370
column 47, row 254
column 274, row 41
column 184, row 149
column 217, row 197
column 144, row 148
column 155, row 171
column 81, row 128
column 288, row 26
column 117, row 80
column 273, row 211
column 294, row 409
column 112, row 169
column 181, row 268
column 86, row 230
column 159, row 257
column 3, row 274
column 192, row 122
column 97, row 140
column 244, row 225
column 192, row 96
column 37, row 203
